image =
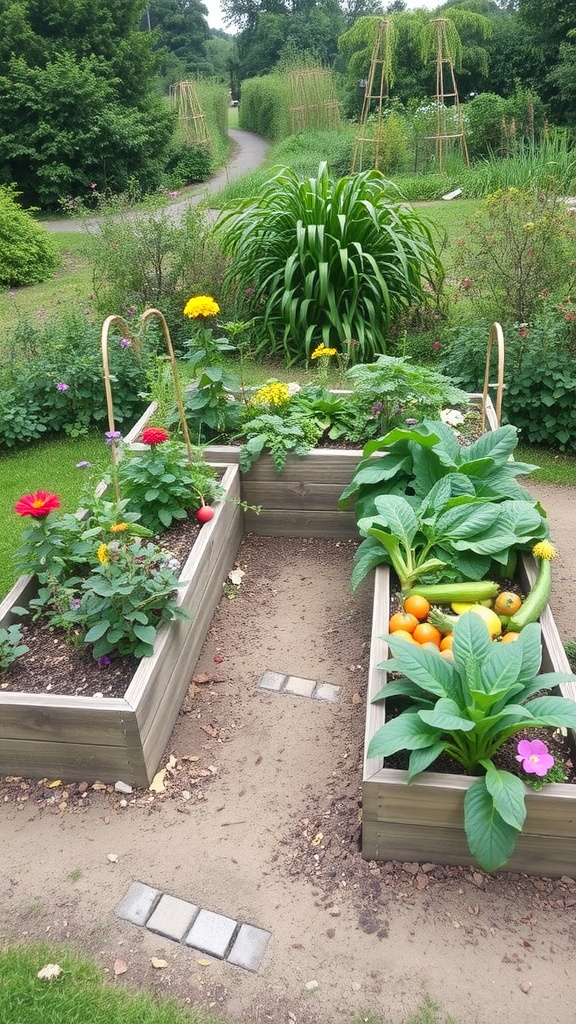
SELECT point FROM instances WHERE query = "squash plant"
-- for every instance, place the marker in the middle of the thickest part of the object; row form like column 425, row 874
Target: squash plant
column 467, row 709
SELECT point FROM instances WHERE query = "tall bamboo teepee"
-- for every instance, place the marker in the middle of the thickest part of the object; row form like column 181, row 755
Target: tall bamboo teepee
column 369, row 139
column 446, row 90
column 190, row 115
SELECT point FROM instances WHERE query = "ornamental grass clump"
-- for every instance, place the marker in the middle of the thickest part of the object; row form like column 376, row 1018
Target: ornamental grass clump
column 327, row 261
column 467, row 709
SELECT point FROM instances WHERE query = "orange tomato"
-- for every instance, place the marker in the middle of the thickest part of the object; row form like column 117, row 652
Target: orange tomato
column 508, row 638
column 425, row 632
column 447, row 642
column 507, row 603
column 402, row 620
column 417, row 606
column 403, row 634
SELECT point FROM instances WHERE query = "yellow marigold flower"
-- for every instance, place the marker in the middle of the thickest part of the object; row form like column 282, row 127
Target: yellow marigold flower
column 118, row 527
column 102, row 554
column 544, row 549
column 321, row 351
column 274, row 393
column 201, row 305
column 530, row 226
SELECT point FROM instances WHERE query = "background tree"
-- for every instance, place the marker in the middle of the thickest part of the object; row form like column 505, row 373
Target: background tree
column 79, row 109
column 181, row 30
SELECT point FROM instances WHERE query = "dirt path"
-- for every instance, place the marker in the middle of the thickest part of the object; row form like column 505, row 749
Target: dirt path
column 261, row 821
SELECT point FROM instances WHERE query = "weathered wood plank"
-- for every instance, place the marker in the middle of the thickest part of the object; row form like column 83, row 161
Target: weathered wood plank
column 294, row 523
column 72, row 762
column 402, row 842
column 25, row 717
column 375, row 716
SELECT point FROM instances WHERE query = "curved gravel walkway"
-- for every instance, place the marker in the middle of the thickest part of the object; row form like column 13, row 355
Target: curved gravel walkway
column 249, row 152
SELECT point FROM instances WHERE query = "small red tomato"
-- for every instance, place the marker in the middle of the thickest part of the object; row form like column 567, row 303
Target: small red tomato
column 204, row 514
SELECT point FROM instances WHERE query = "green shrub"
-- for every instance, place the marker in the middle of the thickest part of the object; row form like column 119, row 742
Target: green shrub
column 518, row 245
column 265, row 107
column 327, row 262
column 150, row 259
column 27, row 252
column 539, row 375
column 484, row 120
column 188, row 164
column 53, row 382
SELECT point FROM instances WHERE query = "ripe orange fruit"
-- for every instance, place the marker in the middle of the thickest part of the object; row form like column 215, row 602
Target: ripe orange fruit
column 447, row 642
column 447, row 653
column 404, row 634
column 417, row 606
column 402, row 620
column 508, row 638
column 507, row 603
column 429, row 646
column 425, row 632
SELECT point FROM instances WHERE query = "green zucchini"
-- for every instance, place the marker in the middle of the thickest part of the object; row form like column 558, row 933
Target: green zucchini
column 536, row 601
column 446, row 593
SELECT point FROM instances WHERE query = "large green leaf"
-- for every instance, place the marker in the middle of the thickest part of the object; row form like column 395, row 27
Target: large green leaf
column 446, row 715
column 507, row 792
column 500, row 670
column 467, row 521
column 406, row 732
column 494, row 444
column 397, row 688
column 425, row 668
column 490, row 838
column 556, row 711
column 423, row 758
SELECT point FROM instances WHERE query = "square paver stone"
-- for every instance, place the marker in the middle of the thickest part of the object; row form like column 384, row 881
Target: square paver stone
column 299, row 687
column 138, row 903
column 327, row 692
column 271, row 681
column 211, row 933
column 249, row 947
column 172, row 917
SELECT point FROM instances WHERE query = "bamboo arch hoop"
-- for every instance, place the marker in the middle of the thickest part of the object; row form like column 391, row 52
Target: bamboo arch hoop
column 496, row 333
column 128, row 331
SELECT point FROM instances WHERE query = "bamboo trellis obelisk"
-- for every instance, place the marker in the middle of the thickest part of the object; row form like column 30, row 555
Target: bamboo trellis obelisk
column 376, row 91
column 190, row 115
column 446, row 90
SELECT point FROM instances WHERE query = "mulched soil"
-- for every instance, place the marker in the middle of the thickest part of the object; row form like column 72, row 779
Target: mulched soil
column 54, row 665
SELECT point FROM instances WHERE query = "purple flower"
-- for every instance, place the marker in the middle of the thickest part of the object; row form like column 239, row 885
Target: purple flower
column 112, row 436
column 131, row 311
column 41, row 313
column 125, row 342
column 534, row 757
column 410, row 422
column 376, row 408
column 62, row 386
column 75, row 603
column 104, row 661
column 83, row 465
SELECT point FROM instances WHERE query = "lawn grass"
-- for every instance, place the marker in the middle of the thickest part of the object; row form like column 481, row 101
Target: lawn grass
column 70, row 286
column 50, row 466
column 78, row 996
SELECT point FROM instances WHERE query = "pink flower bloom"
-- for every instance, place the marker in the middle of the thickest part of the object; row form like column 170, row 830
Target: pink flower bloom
column 37, row 505
column 436, row 345
column 41, row 313
column 62, row 386
column 522, row 332
column 155, row 435
column 534, row 757
column 92, row 184
column 466, row 283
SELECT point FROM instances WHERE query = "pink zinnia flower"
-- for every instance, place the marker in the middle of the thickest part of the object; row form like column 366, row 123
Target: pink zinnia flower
column 37, row 505
column 534, row 756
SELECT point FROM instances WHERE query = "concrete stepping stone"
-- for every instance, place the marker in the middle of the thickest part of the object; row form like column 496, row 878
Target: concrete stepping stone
column 172, row 917
column 298, row 686
column 211, row 933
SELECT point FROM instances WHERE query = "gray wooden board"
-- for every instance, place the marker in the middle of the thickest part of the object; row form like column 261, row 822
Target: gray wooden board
column 293, row 523
column 70, row 761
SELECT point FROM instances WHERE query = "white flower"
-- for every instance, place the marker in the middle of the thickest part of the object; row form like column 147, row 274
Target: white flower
column 293, row 388
column 452, row 417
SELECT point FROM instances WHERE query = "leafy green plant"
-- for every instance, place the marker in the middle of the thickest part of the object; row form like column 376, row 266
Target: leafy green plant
column 160, row 483
column 27, row 252
column 411, row 460
column 467, row 710
column 520, row 244
column 452, row 535
column 11, row 647
column 327, row 261
column 394, row 388
column 278, row 436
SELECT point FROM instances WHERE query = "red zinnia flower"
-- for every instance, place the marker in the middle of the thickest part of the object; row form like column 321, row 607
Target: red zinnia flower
column 155, row 435
column 37, row 505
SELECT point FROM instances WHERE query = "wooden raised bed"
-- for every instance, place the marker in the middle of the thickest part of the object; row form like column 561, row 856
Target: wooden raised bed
column 424, row 821
column 111, row 739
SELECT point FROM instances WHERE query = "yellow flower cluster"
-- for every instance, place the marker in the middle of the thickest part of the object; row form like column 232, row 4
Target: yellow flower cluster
column 274, row 393
column 321, row 351
column 118, row 527
column 102, row 554
column 544, row 549
column 201, row 305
